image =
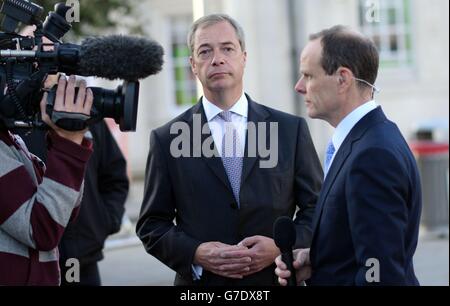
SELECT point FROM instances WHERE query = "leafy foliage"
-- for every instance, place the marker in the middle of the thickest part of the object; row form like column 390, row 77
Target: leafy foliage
column 95, row 15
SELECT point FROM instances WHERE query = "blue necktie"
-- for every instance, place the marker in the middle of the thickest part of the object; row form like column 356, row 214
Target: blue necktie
column 328, row 156
column 231, row 155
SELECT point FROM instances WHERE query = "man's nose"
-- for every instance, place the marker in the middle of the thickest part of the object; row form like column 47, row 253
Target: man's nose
column 218, row 59
column 300, row 87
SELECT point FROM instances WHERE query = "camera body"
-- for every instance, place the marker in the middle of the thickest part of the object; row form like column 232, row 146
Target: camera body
column 26, row 61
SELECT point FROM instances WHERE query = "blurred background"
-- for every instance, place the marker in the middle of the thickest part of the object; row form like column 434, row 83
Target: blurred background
column 413, row 40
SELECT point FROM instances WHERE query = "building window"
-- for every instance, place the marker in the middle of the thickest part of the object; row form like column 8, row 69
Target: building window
column 185, row 82
column 388, row 22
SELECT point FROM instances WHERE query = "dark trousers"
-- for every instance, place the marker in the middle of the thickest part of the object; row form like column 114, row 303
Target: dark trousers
column 89, row 276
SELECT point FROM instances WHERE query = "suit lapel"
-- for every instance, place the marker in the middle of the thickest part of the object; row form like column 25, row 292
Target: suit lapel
column 256, row 114
column 214, row 163
column 343, row 153
column 339, row 160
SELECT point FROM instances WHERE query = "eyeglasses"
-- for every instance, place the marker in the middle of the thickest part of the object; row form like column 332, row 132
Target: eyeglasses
column 374, row 89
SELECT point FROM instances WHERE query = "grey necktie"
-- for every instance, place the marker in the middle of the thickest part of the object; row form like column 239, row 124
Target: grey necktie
column 231, row 154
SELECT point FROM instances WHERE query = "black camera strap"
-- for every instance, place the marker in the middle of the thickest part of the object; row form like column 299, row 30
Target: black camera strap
column 70, row 121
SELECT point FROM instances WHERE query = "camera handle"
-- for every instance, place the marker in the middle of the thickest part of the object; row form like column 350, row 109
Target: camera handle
column 21, row 96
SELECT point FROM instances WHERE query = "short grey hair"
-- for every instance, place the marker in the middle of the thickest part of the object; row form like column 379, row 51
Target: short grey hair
column 212, row 19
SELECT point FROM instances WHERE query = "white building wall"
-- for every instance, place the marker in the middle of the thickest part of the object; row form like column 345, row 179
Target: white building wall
column 408, row 97
column 268, row 72
column 156, row 99
column 421, row 94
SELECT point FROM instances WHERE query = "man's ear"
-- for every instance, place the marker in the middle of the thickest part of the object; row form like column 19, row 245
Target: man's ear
column 344, row 77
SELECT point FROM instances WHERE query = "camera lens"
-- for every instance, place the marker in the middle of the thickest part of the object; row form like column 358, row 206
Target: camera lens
column 120, row 104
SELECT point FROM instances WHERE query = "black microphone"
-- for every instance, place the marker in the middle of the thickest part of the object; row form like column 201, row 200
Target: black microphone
column 285, row 235
column 115, row 57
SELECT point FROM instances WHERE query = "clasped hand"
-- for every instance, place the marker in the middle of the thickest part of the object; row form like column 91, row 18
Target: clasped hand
column 249, row 256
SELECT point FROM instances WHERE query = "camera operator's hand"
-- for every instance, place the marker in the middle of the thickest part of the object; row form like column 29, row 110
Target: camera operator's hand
column 67, row 101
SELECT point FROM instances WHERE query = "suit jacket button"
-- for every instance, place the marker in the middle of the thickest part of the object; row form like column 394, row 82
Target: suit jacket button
column 234, row 205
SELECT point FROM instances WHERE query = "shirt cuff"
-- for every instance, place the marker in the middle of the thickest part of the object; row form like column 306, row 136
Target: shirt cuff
column 197, row 272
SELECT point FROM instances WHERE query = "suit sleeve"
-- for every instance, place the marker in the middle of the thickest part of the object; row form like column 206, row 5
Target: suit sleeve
column 377, row 192
column 155, row 227
column 308, row 181
column 112, row 177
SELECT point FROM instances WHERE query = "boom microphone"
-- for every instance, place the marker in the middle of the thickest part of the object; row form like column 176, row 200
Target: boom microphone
column 119, row 57
column 25, row 62
column 284, row 235
column 111, row 57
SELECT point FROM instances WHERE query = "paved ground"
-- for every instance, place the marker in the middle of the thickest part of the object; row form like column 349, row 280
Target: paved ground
column 127, row 264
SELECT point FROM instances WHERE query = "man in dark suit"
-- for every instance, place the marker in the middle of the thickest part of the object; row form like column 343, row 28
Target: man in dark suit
column 226, row 198
column 367, row 218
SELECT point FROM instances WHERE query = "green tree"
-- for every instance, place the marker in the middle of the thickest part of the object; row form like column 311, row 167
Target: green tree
column 95, row 15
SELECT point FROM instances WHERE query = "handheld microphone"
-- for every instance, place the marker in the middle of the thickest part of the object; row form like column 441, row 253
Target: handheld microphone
column 284, row 235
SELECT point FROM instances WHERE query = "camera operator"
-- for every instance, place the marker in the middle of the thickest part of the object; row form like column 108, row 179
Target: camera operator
column 38, row 201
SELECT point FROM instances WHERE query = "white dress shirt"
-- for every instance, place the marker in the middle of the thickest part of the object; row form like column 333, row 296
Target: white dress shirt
column 347, row 124
column 217, row 126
